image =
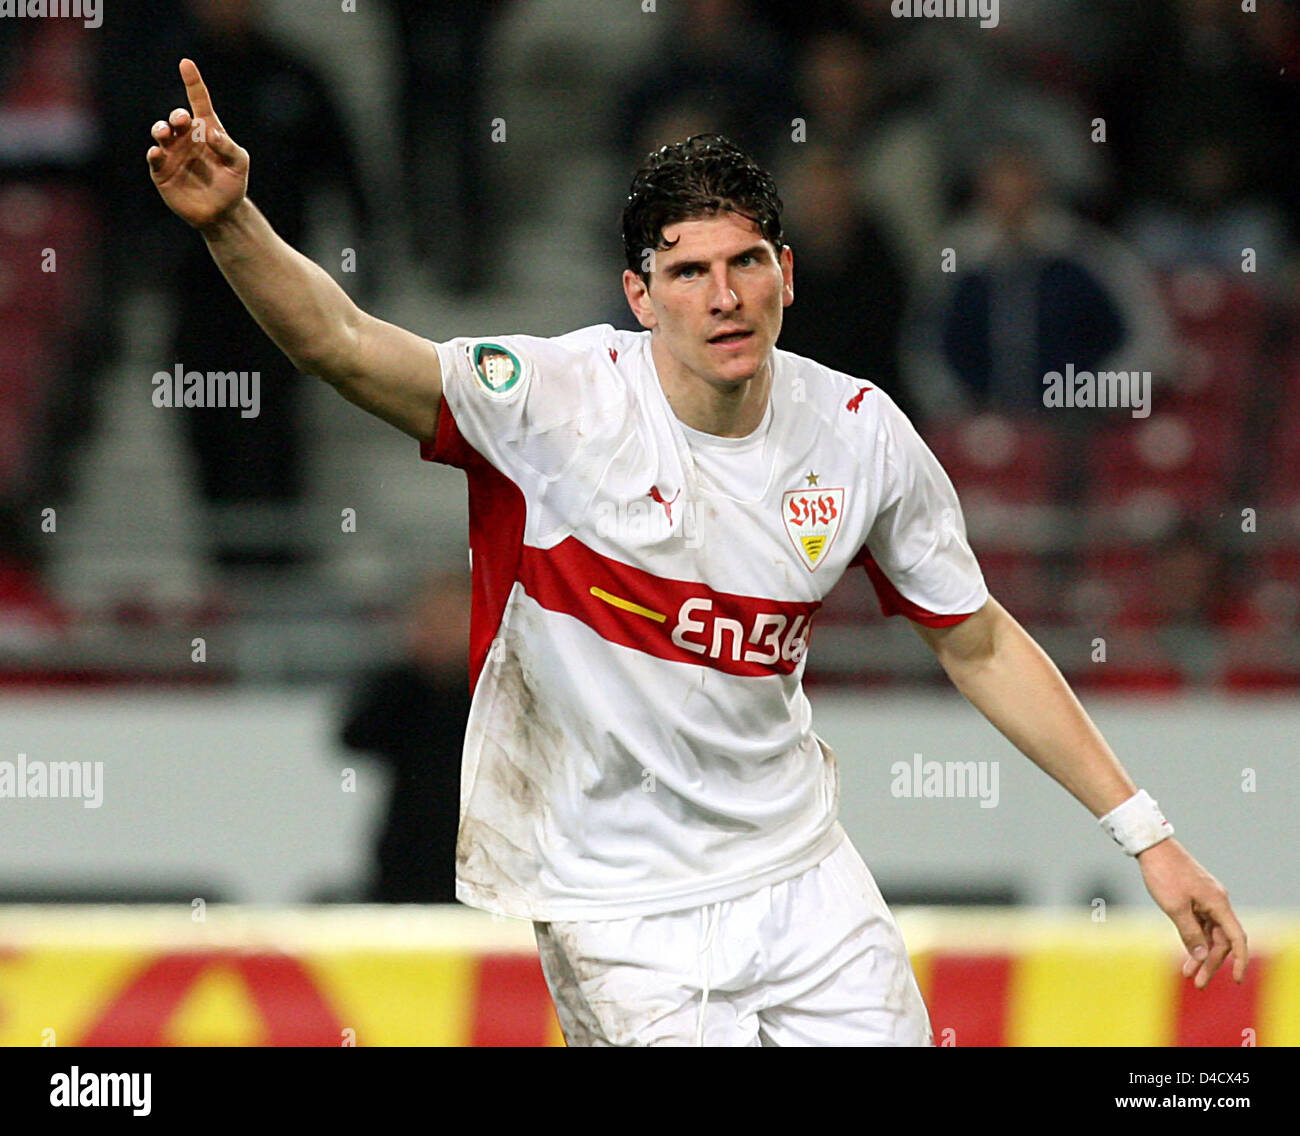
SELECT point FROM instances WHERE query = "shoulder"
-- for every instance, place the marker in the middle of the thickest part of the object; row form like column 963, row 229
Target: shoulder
column 542, row 381
column 599, row 337
column 857, row 418
column 582, row 349
column 849, row 405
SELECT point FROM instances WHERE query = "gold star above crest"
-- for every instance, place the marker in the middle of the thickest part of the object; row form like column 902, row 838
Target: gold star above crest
column 812, row 479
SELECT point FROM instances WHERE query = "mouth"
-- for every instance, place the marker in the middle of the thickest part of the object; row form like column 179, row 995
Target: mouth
column 730, row 338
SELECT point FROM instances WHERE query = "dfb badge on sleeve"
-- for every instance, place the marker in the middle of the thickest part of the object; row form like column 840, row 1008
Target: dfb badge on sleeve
column 498, row 370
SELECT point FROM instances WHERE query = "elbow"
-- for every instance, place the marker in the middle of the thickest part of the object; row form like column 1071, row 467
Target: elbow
column 970, row 645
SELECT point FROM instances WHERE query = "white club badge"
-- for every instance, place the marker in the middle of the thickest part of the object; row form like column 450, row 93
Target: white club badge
column 812, row 518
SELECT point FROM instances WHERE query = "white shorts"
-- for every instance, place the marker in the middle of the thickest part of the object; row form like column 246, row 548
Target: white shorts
column 813, row 960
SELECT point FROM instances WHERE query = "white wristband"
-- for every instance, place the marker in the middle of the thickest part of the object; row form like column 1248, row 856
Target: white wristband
column 1137, row 824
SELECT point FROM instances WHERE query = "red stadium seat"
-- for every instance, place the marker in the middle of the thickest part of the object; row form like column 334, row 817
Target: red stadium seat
column 1146, row 586
column 24, row 602
column 1219, row 324
column 1255, row 663
column 1134, row 662
column 1210, row 307
column 1282, row 477
column 1166, row 457
column 24, row 379
column 1267, row 599
column 1011, row 460
column 1113, row 588
column 1214, row 382
column 1021, row 583
column 36, row 222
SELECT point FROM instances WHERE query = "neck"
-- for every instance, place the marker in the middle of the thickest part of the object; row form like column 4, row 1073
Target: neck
column 730, row 411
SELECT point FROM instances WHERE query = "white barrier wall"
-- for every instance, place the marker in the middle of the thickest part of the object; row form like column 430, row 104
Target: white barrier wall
column 1224, row 771
column 242, row 790
column 245, row 791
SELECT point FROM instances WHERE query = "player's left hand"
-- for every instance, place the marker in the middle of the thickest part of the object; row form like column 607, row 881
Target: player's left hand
column 1199, row 907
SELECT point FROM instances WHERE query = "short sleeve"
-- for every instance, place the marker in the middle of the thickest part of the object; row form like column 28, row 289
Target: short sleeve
column 916, row 552
column 515, row 401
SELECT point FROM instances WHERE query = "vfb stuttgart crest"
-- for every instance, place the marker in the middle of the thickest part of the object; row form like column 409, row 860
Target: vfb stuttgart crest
column 812, row 518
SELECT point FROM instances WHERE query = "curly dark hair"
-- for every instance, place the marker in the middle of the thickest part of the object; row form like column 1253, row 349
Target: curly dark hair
column 703, row 176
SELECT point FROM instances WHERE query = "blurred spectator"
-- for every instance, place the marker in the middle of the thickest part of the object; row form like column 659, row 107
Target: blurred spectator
column 1041, row 103
column 281, row 111
column 1175, row 580
column 676, row 119
column 839, row 85
column 1033, row 288
column 1210, row 216
column 854, row 99
column 50, row 253
column 412, row 714
column 848, row 97
column 719, row 55
column 848, row 288
column 1275, row 35
column 136, row 83
column 917, row 112
column 445, row 128
column 1192, row 577
column 1217, row 73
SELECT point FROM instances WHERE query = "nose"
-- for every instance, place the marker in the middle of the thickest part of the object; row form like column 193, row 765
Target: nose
column 722, row 297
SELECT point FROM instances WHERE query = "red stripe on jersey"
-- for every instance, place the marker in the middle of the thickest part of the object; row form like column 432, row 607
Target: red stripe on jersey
column 512, row 1006
column 892, row 601
column 670, row 619
column 968, row 995
column 1219, row 1014
column 496, row 533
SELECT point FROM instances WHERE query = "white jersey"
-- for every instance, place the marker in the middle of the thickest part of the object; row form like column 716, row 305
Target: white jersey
column 639, row 740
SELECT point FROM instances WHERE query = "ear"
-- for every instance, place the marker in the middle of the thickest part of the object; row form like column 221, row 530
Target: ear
column 637, row 292
column 787, row 275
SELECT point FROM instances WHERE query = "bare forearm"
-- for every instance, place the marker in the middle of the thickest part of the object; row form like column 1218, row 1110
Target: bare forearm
column 307, row 315
column 1020, row 690
column 995, row 663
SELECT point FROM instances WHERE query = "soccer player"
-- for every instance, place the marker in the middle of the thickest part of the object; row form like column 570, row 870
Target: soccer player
column 654, row 519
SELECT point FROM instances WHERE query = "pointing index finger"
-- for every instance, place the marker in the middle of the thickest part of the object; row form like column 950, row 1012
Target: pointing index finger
column 196, row 91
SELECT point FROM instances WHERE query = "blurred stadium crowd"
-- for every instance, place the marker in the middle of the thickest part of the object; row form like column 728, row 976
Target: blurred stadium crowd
column 1106, row 186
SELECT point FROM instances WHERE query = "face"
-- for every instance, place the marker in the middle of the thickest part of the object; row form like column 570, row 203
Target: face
column 715, row 299
column 1011, row 186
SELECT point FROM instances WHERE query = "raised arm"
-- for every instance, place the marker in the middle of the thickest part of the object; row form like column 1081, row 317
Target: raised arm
column 202, row 175
column 1009, row 678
